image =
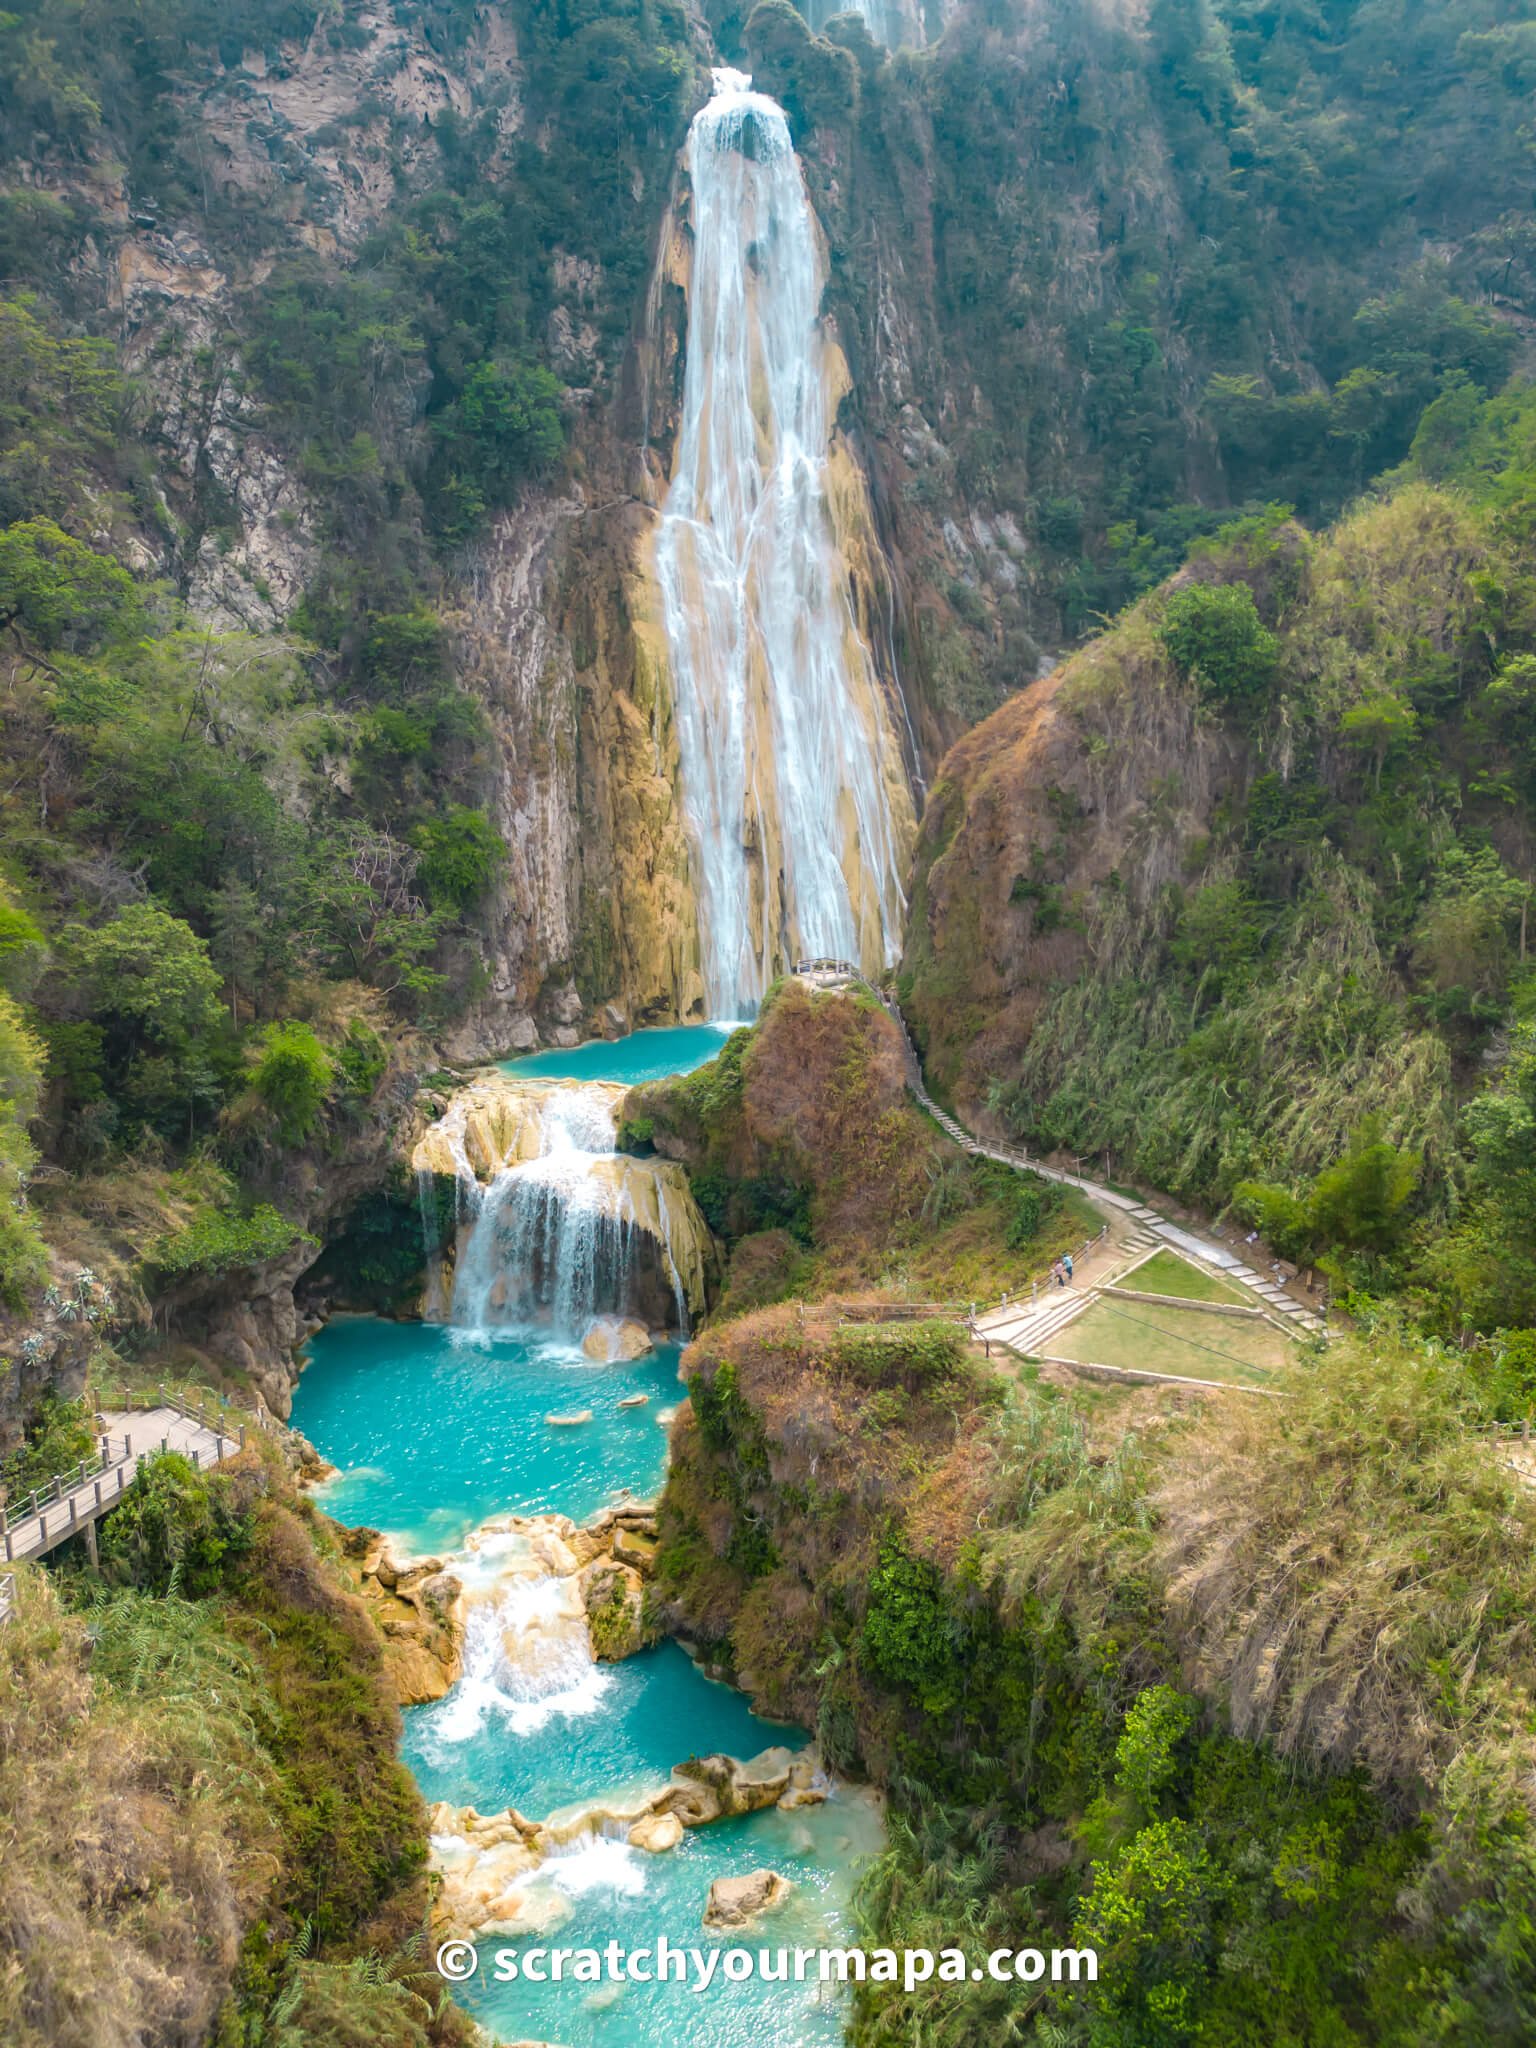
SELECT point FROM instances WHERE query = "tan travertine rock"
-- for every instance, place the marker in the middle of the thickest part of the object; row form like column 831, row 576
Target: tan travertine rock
column 808, row 1785
column 419, row 1609
column 611, row 1340
column 496, row 1122
column 636, row 1550
column 657, row 1832
column 737, row 1901
column 569, row 1421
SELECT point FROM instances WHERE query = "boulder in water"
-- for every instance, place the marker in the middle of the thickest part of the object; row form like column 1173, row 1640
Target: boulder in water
column 611, row 1340
column 737, row 1901
column 656, row 1832
column 569, row 1421
column 808, row 1784
column 634, row 1400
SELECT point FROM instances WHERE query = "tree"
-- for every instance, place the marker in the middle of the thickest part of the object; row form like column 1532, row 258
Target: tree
column 1214, row 636
column 59, row 591
column 1376, row 725
column 1362, row 1201
column 22, row 1258
column 144, row 979
column 146, row 974
column 1466, row 938
column 460, row 854
column 503, row 427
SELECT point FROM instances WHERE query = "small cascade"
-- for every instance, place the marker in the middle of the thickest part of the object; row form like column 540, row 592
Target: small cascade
column 555, row 1226
column 527, row 1658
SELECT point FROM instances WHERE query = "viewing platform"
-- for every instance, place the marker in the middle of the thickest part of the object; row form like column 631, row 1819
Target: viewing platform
column 74, row 1501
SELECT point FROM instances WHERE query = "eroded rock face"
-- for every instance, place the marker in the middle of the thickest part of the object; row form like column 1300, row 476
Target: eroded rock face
column 737, row 1901
column 419, row 1608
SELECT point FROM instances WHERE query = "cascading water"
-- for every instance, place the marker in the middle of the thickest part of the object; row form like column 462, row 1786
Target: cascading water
column 797, row 804
column 566, row 1229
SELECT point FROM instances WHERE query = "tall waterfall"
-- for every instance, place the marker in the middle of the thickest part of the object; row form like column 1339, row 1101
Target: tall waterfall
column 792, row 783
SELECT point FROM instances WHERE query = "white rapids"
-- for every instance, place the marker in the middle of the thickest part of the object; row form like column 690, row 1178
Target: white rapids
column 792, row 784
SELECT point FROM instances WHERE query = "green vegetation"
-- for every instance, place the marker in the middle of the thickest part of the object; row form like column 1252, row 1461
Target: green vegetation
column 997, row 1618
column 1166, row 1273
column 1146, row 1337
column 1293, row 840
column 200, row 1738
column 811, row 1162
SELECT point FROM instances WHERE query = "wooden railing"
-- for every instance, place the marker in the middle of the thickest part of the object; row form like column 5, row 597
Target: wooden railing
column 88, row 1488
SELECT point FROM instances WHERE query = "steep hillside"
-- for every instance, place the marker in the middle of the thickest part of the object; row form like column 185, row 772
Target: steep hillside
column 1133, row 1678
column 1251, row 875
column 1106, row 274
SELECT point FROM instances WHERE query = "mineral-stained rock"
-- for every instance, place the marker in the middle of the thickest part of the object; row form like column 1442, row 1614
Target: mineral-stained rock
column 736, row 1901
column 419, row 1609
column 637, row 1551
column 808, row 1784
column 569, row 1421
column 707, row 1788
column 615, row 1604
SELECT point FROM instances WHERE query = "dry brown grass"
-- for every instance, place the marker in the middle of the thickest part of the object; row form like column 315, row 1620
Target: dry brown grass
column 122, row 1908
column 1356, row 1573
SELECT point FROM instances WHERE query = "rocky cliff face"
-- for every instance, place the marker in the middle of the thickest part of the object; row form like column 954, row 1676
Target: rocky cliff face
column 550, row 613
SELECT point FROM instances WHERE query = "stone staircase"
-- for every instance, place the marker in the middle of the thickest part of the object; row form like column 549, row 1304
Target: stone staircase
column 1027, row 1328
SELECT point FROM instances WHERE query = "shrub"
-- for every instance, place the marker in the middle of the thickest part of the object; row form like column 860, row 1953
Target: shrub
column 908, row 1638
column 1214, row 635
column 174, row 1526
column 219, row 1242
column 294, row 1077
column 916, row 1356
column 60, row 1436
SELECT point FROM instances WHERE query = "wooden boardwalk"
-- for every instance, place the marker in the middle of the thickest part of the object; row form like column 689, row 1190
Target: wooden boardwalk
column 76, row 1499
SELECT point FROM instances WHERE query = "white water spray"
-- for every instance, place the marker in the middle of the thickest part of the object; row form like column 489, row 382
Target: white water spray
column 791, row 775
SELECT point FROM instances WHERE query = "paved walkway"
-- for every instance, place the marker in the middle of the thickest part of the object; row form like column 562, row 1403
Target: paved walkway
column 80, row 1497
column 1134, row 1227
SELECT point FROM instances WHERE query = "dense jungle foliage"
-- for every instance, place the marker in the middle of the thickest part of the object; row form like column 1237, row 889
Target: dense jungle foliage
column 1289, row 972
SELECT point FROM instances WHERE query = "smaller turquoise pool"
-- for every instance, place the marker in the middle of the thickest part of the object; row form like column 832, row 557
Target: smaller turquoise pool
column 619, row 1727
column 434, row 1429
column 643, row 1056
column 606, row 1891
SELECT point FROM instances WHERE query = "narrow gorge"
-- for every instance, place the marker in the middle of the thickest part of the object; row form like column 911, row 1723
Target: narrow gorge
column 522, row 1442
column 570, row 1269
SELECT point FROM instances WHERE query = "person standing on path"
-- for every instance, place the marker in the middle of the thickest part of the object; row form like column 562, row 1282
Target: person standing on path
column 1066, row 1262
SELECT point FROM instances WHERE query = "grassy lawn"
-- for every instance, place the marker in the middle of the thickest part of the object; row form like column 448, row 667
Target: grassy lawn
column 1139, row 1337
column 1166, row 1273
